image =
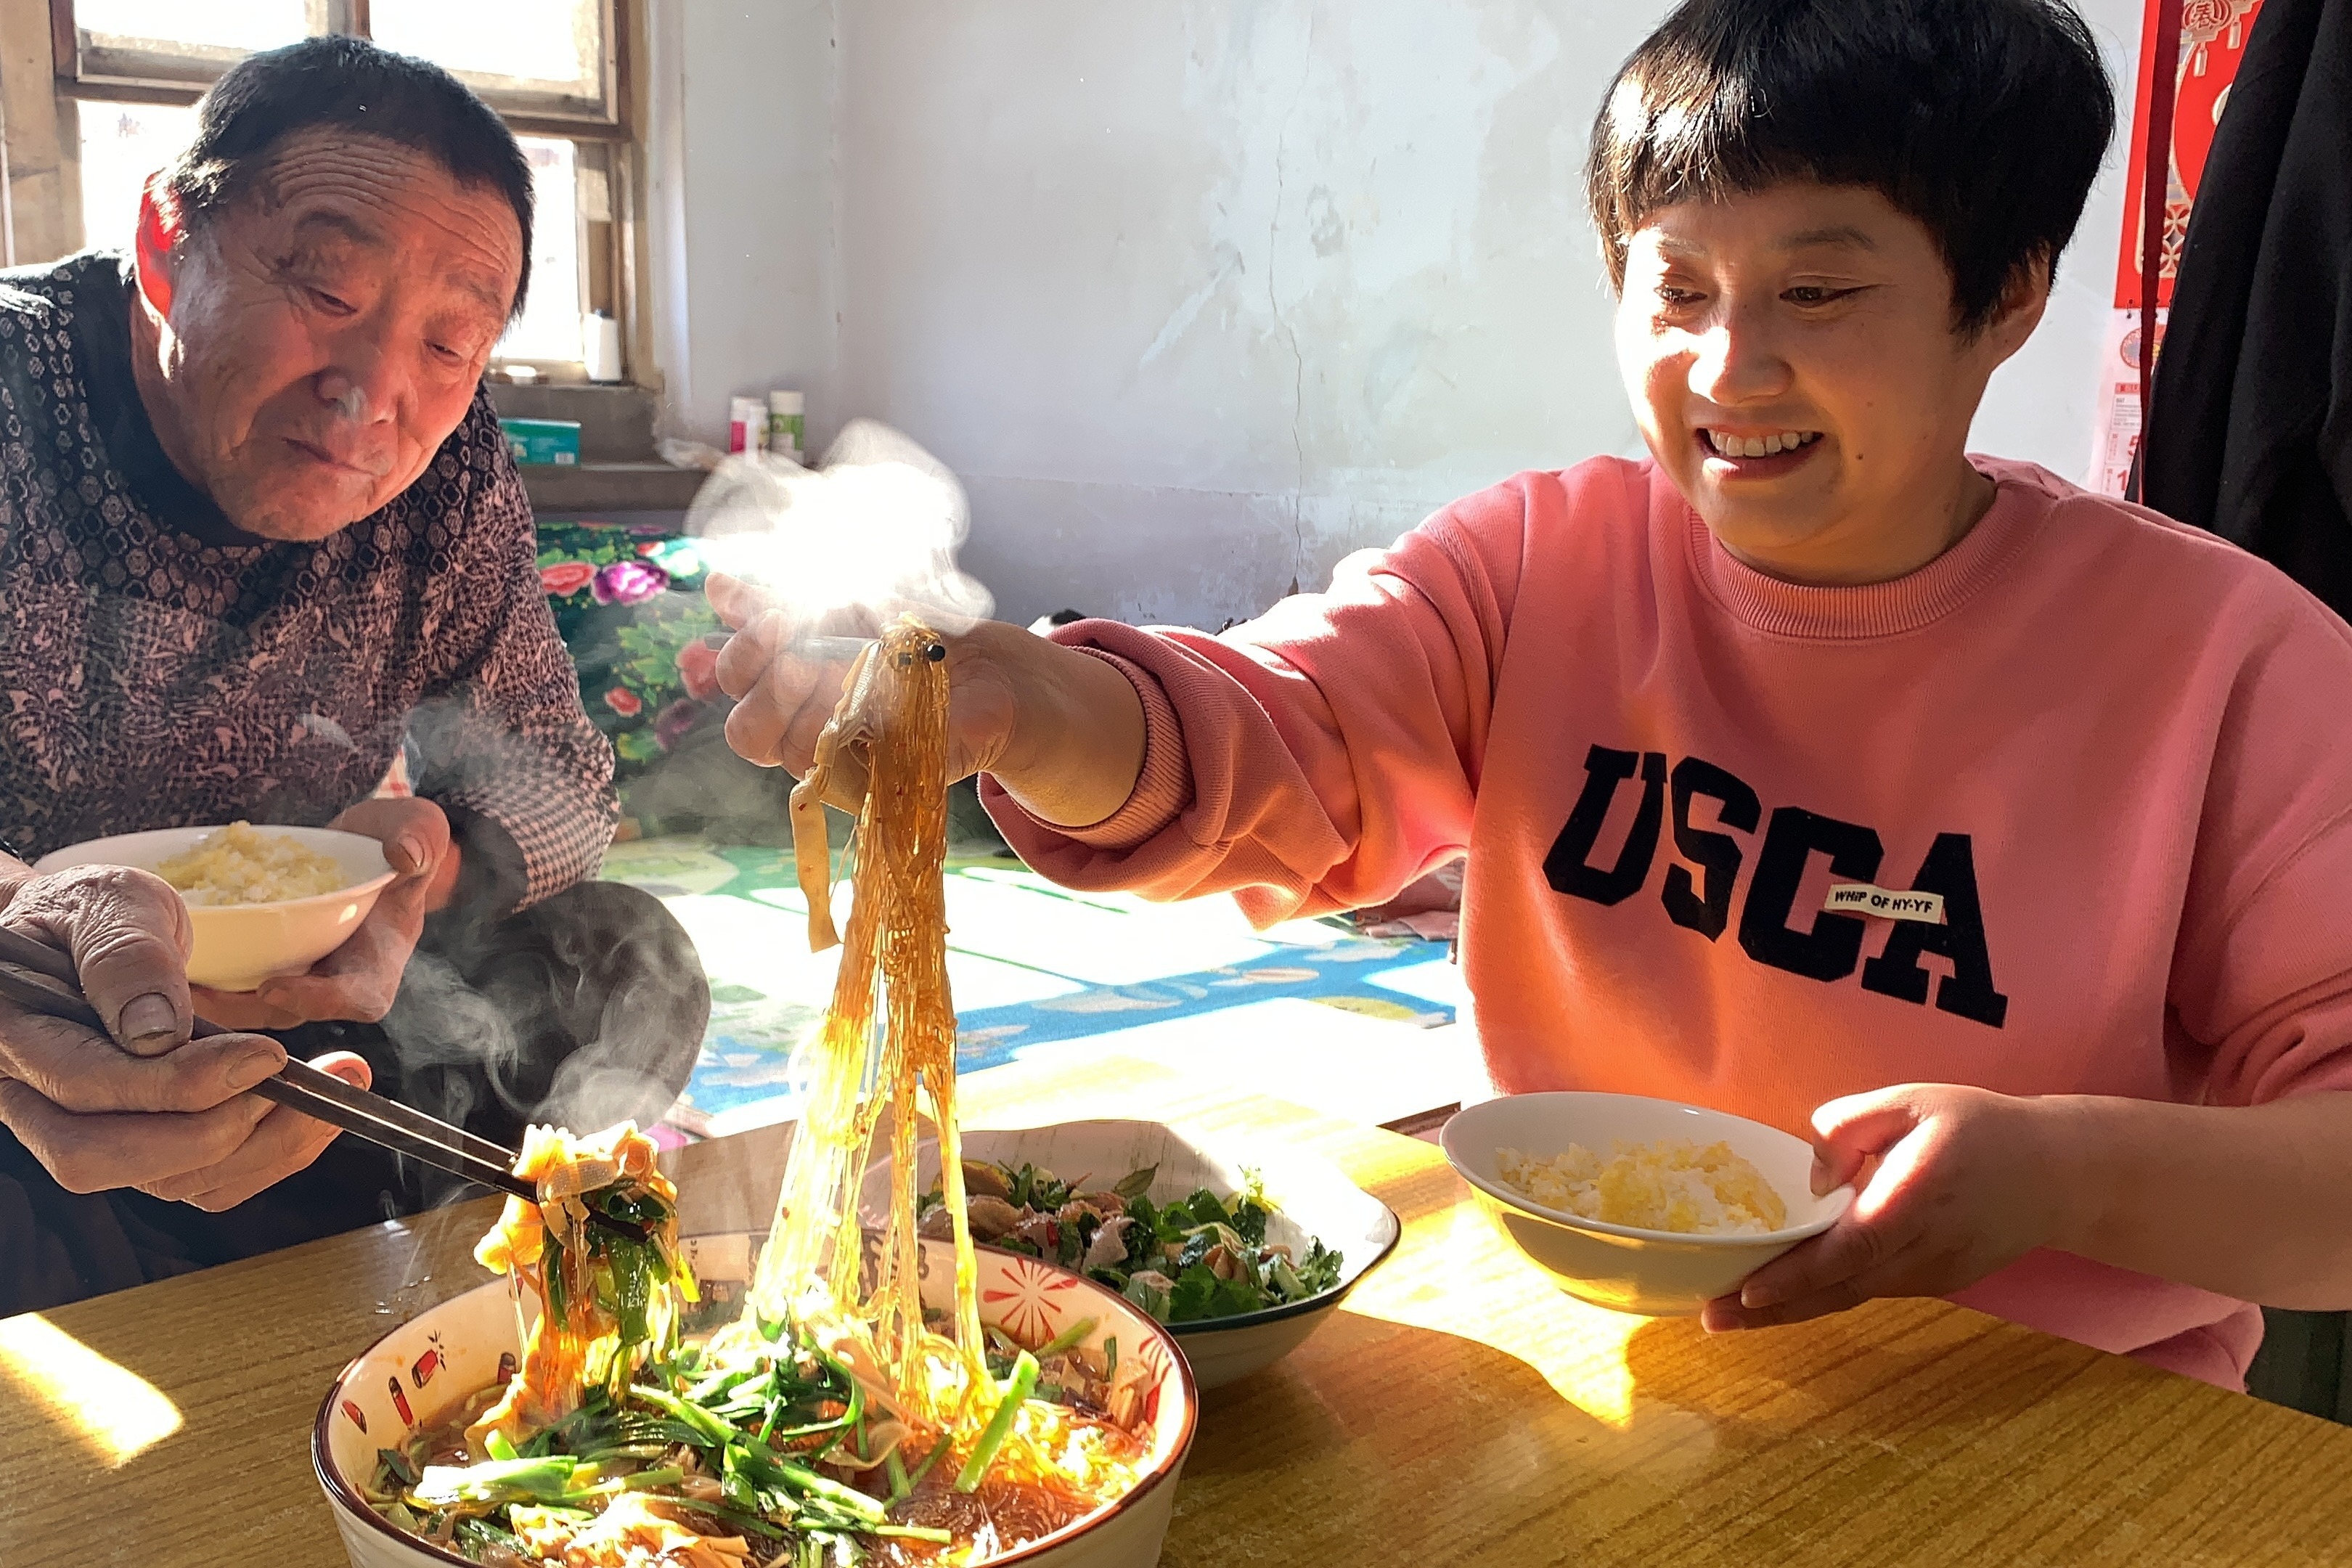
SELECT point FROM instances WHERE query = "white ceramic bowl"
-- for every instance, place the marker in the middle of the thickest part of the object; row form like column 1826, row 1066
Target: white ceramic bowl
column 238, row 946
column 1313, row 1200
column 1655, row 1273
column 416, row 1376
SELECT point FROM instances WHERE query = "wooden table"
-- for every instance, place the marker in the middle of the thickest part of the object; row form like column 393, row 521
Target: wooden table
column 1457, row 1411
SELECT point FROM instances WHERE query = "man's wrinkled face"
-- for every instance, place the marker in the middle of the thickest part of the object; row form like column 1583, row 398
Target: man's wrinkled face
column 326, row 330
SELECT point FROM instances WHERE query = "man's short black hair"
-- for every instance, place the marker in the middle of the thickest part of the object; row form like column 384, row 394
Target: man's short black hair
column 1985, row 120
column 345, row 84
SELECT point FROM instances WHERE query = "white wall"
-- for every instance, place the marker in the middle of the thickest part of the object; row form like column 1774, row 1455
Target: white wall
column 2039, row 404
column 1199, row 296
column 740, row 155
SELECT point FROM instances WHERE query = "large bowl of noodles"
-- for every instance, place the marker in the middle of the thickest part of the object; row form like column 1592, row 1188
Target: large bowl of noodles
column 420, row 1374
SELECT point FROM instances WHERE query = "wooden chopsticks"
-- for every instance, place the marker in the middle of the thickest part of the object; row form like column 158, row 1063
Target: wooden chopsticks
column 297, row 1085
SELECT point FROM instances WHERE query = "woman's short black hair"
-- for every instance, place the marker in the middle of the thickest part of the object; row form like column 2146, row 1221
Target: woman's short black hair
column 1985, row 120
column 345, row 84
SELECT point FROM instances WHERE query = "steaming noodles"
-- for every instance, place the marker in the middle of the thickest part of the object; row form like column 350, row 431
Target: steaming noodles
column 833, row 1423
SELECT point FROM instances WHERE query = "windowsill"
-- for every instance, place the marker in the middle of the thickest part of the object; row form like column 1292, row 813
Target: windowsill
column 616, row 420
column 610, row 487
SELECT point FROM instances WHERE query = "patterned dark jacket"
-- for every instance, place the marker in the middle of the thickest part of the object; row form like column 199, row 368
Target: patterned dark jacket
column 158, row 668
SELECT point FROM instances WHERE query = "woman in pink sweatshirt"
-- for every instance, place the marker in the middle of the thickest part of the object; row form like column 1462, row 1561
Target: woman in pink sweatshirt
column 1995, row 835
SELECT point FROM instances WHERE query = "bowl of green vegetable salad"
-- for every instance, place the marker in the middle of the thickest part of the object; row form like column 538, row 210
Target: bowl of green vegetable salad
column 1241, row 1257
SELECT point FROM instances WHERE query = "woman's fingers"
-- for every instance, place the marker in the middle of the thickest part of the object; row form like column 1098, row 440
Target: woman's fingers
column 1902, row 1272
column 1848, row 1134
column 1849, row 1250
column 781, row 714
column 744, row 657
column 734, row 600
column 756, row 732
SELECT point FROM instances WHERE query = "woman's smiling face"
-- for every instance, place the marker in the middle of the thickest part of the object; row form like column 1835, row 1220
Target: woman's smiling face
column 1793, row 359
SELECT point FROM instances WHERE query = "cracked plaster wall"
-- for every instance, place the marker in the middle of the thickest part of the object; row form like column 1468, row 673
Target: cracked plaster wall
column 1199, row 295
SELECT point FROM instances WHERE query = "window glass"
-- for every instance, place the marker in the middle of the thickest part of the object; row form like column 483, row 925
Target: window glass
column 122, row 144
column 547, row 46
column 242, row 25
column 549, row 327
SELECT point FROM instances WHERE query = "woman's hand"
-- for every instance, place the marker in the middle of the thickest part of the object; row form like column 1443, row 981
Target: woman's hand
column 1059, row 728
column 143, row 1106
column 1957, row 1183
column 787, row 676
column 357, row 982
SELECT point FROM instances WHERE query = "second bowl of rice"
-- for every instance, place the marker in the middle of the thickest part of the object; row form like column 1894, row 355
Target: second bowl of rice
column 1640, row 1205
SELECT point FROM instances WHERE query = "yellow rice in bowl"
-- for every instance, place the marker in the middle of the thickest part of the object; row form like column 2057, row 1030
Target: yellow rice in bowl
column 241, row 864
column 1671, row 1185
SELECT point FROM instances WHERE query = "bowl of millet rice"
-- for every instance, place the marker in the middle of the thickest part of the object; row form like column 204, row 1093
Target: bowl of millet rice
column 1640, row 1205
column 264, row 900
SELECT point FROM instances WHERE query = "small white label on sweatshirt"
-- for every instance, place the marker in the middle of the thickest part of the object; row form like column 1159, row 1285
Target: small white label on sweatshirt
column 1862, row 899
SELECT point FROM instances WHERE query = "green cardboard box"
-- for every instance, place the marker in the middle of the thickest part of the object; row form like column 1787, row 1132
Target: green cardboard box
column 544, row 442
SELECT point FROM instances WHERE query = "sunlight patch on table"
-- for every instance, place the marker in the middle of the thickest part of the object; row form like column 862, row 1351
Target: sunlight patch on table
column 1579, row 1349
column 112, row 1409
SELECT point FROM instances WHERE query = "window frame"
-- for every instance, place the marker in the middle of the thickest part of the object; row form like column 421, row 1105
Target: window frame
column 40, row 184
column 182, row 76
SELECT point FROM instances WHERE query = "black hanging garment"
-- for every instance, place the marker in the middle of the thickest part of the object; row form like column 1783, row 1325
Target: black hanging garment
column 2249, row 430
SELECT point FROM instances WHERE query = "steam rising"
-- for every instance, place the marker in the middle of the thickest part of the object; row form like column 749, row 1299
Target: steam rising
column 875, row 526
column 585, row 1014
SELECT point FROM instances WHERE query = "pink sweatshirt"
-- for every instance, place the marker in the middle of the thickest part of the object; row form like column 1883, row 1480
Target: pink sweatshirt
column 2116, row 747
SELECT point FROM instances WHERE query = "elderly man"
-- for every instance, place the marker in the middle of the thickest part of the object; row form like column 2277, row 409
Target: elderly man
column 260, row 535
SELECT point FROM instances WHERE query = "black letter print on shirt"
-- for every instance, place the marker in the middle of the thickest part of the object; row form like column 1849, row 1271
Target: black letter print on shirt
column 1950, row 869
column 1718, row 852
column 1565, row 867
column 1829, row 950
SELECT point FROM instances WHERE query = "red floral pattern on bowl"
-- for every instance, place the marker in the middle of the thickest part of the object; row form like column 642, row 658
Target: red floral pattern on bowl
column 1031, row 1300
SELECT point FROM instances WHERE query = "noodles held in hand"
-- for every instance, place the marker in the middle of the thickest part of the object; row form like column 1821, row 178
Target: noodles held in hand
column 836, row 1422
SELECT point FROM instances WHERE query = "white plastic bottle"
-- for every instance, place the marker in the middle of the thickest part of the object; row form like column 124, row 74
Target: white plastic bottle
column 788, row 424
column 747, row 430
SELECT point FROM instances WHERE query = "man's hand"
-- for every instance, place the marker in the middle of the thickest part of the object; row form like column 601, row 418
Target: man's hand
column 1961, row 1182
column 357, row 982
column 147, row 1107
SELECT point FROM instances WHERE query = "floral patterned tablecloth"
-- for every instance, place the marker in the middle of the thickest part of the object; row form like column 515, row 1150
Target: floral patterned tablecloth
column 628, row 602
